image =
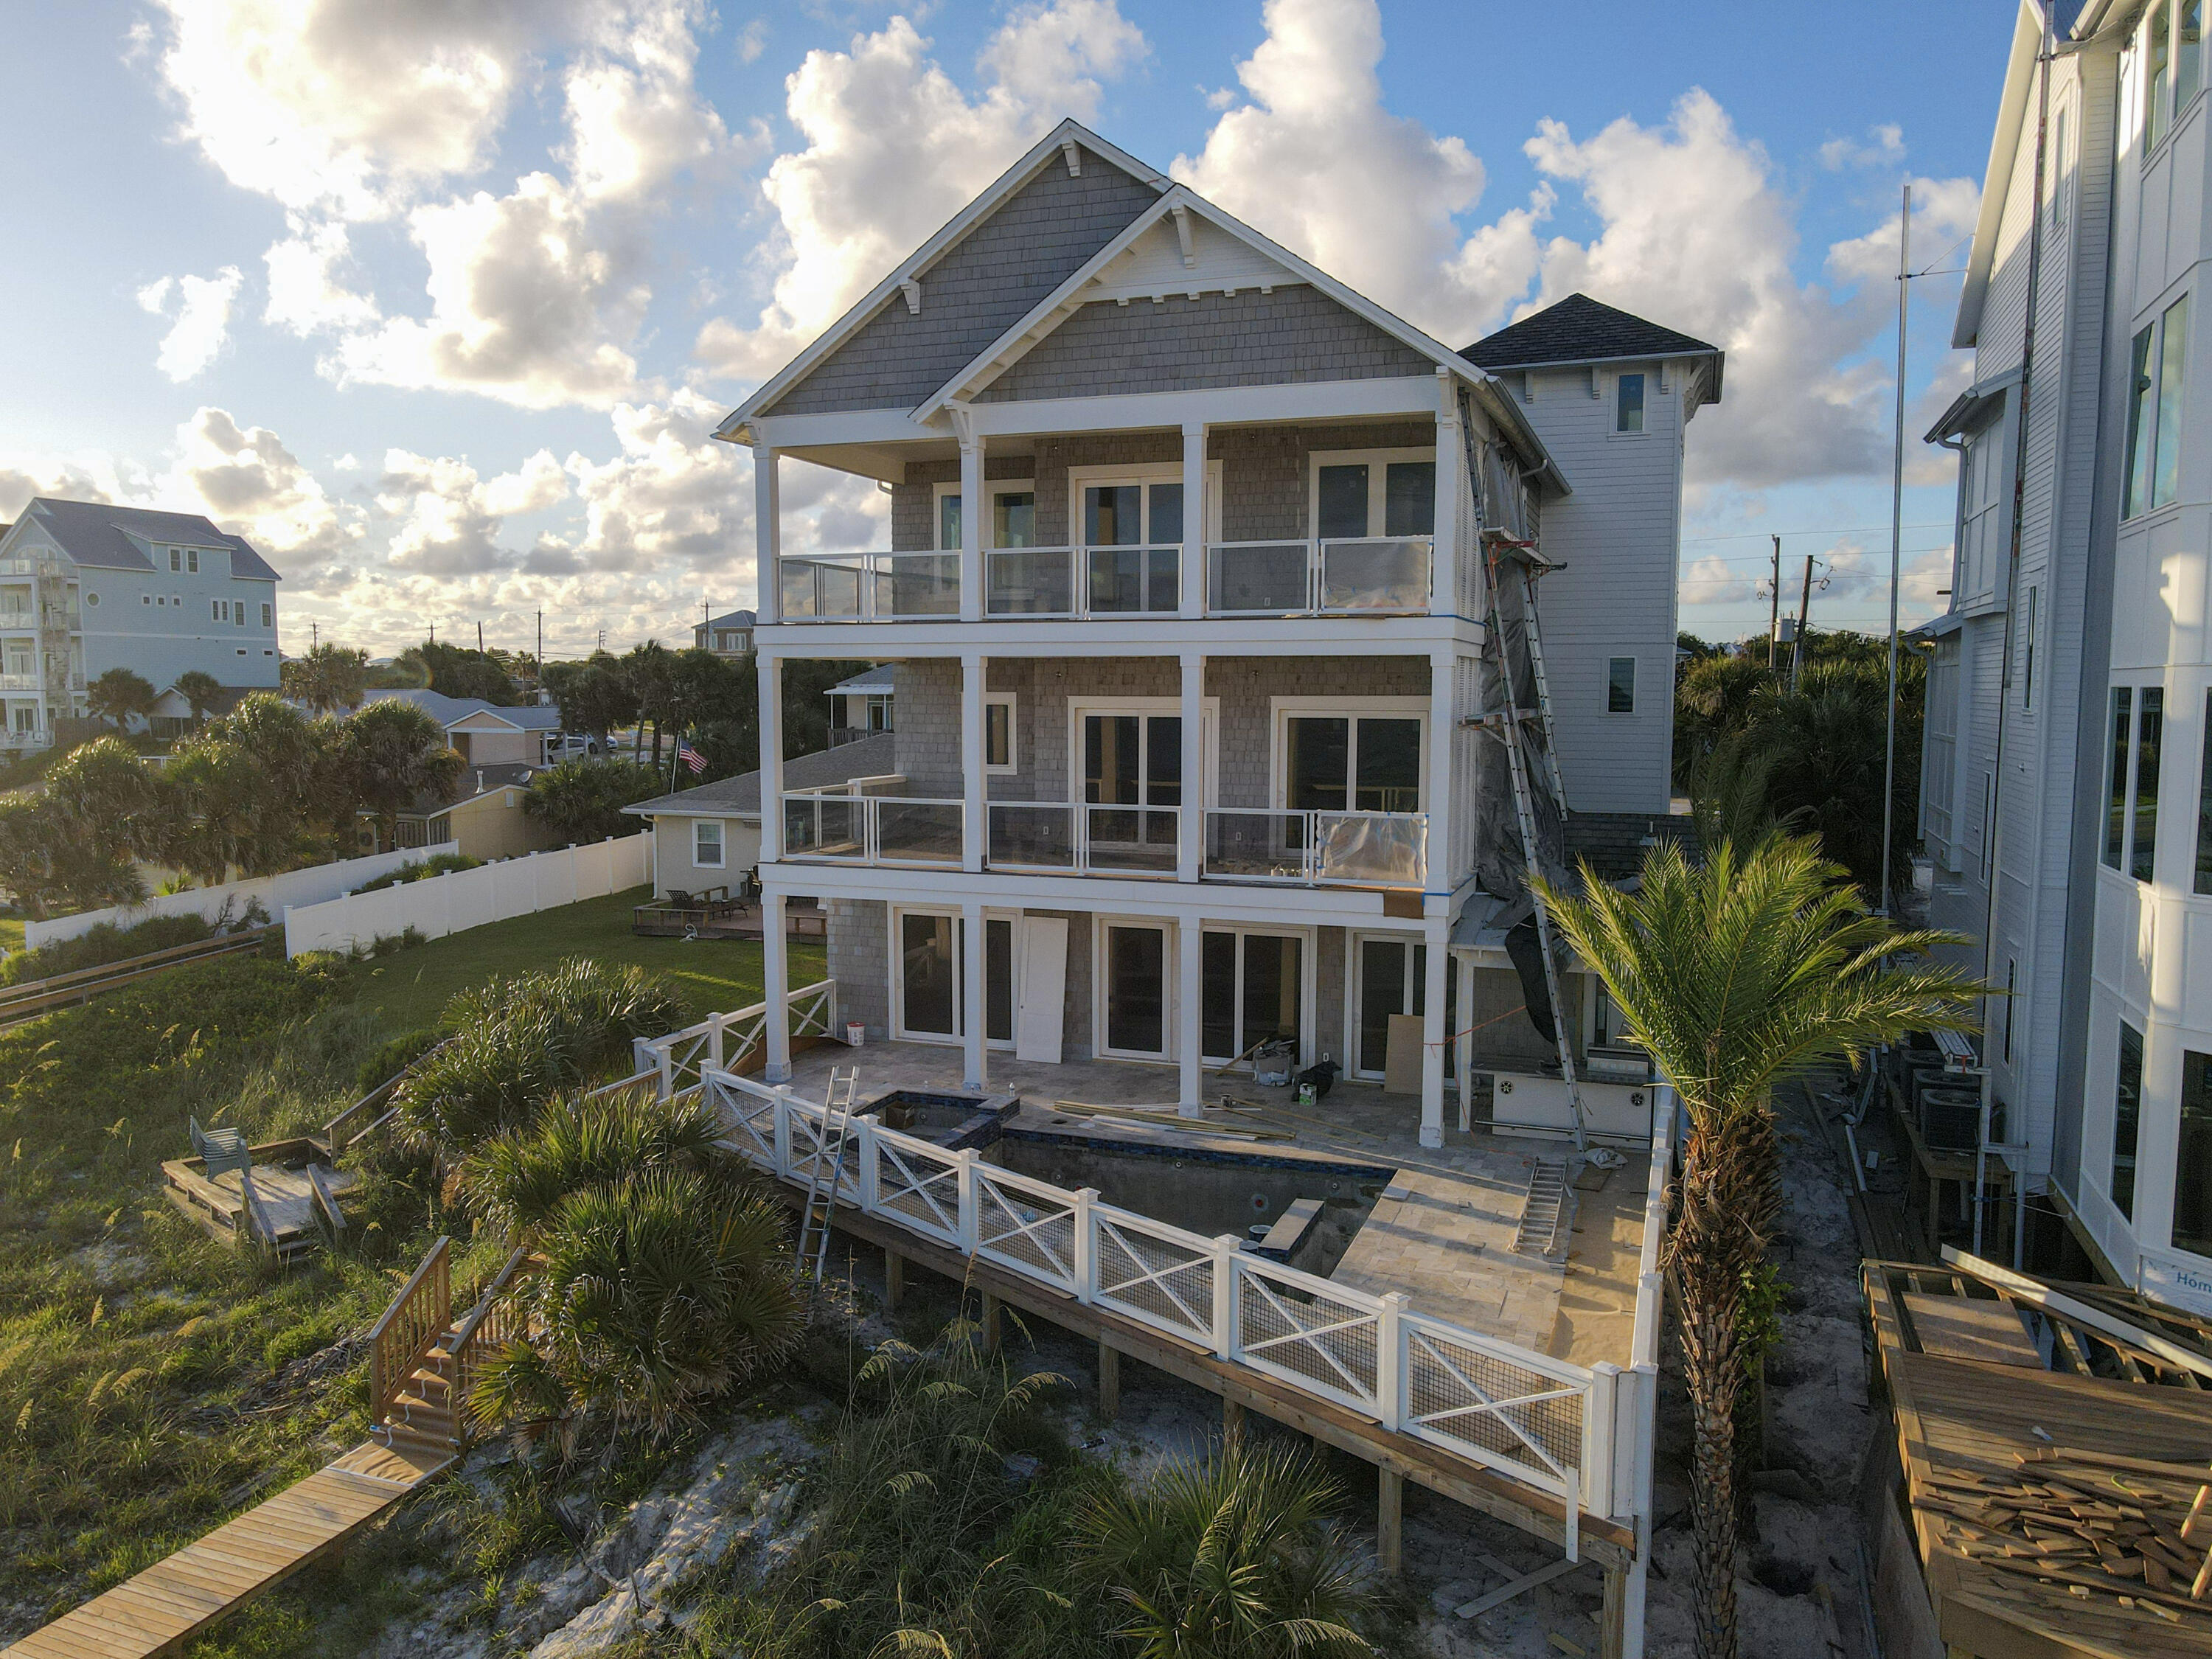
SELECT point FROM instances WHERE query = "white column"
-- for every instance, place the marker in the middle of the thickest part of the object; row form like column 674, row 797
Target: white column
column 974, row 826
column 1191, row 843
column 1462, row 1041
column 767, row 535
column 1451, row 490
column 974, row 1022
column 776, row 970
column 971, row 523
column 1433, row 1033
column 771, row 753
column 1436, row 787
column 1195, row 519
column 1187, row 1036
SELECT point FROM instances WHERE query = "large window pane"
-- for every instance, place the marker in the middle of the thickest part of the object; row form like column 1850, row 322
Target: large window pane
column 1344, row 500
column 2204, row 806
column 2188, row 65
column 1014, row 520
column 1117, row 577
column 1628, row 404
column 1409, row 498
column 1166, row 527
column 2150, row 729
column 1217, row 996
column 1112, row 759
column 2127, row 1116
column 2141, row 407
column 2158, row 61
column 1390, row 762
column 2173, row 358
column 2192, row 1164
column 999, row 980
column 927, row 974
column 1163, row 760
column 2116, row 793
column 1113, row 515
column 1320, row 763
column 1136, row 991
column 1271, row 988
column 1382, row 993
column 948, row 522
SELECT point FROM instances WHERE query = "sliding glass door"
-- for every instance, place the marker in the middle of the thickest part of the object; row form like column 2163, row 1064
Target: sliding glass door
column 1352, row 762
column 1133, row 989
column 931, row 988
column 1252, row 986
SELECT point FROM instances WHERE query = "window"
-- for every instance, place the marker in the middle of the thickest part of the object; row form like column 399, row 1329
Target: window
column 145, row 598
column 1352, row 762
column 1132, row 760
column 176, row 558
column 1620, row 685
column 238, row 613
column 879, row 711
column 1389, row 492
column 26, row 717
column 2157, row 64
column 1250, row 988
column 2012, row 983
column 2192, row 1162
column 192, row 560
column 1133, row 534
column 929, row 996
column 268, row 614
column 1393, row 978
column 1628, row 403
column 2155, row 411
column 2204, row 884
column 948, row 520
column 2188, row 65
column 706, row 843
column 219, row 609
column 1013, row 518
column 2116, row 792
column 998, row 730
column 2027, row 668
column 2127, row 1115
column 91, row 598
column 1134, row 984
column 2150, row 727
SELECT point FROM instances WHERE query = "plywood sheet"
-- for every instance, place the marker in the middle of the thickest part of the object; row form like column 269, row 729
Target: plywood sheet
column 1963, row 1327
column 1402, row 1062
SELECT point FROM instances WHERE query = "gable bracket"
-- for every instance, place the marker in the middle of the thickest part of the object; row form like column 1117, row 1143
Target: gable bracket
column 1074, row 154
column 1182, row 236
column 911, row 287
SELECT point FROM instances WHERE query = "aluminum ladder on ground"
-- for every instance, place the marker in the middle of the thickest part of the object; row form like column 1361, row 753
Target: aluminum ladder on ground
column 829, row 1164
column 1540, row 1211
column 1512, row 727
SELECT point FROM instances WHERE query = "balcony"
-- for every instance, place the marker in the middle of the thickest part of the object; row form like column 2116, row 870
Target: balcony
column 836, row 825
column 1058, row 837
column 1372, row 575
column 1317, row 849
column 22, row 682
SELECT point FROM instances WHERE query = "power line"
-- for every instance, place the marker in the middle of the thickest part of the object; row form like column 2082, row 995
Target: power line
column 1826, row 530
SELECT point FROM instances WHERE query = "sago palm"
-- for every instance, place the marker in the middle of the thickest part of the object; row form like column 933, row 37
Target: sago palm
column 517, row 1180
column 1738, row 975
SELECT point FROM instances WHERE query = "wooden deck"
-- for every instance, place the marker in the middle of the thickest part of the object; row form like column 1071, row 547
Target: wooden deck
column 164, row 1606
column 289, row 1214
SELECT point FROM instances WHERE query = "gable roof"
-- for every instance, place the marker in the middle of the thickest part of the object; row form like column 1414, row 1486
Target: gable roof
column 872, row 756
column 450, row 711
column 94, row 534
column 1183, row 205
column 883, row 678
column 730, row 619
column 1048, row 150
column 1581, row 330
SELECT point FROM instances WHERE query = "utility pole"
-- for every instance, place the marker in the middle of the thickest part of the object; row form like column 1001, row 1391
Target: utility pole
column 314, row 634
column 1896, row 552
column 541, row 650
column 479, row 637
column 1804, row 616
column 1774, row 608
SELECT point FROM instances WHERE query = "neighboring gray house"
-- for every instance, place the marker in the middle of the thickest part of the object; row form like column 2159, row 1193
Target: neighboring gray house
column 730, row 634
column 488, row 733
column 85, row 587
column 710, row 836
column 1181, row 602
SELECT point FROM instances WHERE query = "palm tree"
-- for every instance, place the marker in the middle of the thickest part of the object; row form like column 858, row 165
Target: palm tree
column 201, row 691
column 327, row 679
column 582, row 799
column 393, row 752
column 516, row 1181
column 119, row 695
column 1738, row 976
column 1233, row 1558
column 657, row 1292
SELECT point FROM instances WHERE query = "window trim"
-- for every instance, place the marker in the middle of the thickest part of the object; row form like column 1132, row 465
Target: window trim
column 1635, row 669
column 1010, row 702
column 937, row 494
column 1643, row 429
column 1377, row 461
column 1280, row 710
column 720, row 861
column 1168, row 928
column 2147, row 401
column 1210, row 738
column 1080, row 478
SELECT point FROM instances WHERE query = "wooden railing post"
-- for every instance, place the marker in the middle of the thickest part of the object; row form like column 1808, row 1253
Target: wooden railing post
column 1225, row 1296
column 1390, row 1362
column 1600, row 1408
column 782, row 1130
column 870, row 1175
column 965, row 1161
column 1086, row 1246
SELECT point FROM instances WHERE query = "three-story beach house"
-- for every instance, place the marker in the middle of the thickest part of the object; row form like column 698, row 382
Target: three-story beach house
column 1184, row 599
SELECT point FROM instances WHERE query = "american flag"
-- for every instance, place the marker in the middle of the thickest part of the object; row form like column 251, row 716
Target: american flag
column 691, row 757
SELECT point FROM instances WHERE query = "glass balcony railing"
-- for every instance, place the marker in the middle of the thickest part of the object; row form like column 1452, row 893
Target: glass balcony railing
column 1085, row 839
column 1368, row 574
column 1357, row 849
column 845, row 828
column 1082, row 581
column 868, row 587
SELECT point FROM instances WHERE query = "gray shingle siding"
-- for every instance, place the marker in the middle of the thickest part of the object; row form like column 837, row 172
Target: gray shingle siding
column 1180, row 344
column 860, row 962
column 978, row 289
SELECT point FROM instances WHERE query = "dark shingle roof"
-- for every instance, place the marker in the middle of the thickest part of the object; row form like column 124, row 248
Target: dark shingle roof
column 729, row 619
column 869, row 758
column 1581, row 330
column 95, row 534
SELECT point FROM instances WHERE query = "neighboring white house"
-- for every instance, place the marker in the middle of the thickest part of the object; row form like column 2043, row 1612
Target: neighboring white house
column 710, row 836
column 729, row 635
column 862, row 704
column 488, row 733
column 85, row 587
column 1181, row 602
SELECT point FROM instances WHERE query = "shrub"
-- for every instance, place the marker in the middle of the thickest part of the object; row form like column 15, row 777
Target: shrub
column 515, row 1182
column 103, row 944
column 395, row 1056
column 658, row 1292
column 517, row 1042
column 438, row 863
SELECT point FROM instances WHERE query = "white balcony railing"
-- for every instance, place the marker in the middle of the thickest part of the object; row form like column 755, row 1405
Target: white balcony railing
column 23, row 681
column 1058, row 835
column 1357, row 849
column 1387, row 574
column 1082, row 581
column 868, row 587
column 835, row 826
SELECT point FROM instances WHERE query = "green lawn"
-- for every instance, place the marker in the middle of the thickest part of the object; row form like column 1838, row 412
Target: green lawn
column 11, row 933
column 407, row 989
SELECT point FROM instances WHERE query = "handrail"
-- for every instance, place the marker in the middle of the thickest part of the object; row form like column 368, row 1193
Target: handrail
column 382, row 1091
column 409, row 1329
column 485, row 1325
column 37, row 996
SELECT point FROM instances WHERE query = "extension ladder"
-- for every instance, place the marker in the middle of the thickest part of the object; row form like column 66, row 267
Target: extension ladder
column 829, row 1165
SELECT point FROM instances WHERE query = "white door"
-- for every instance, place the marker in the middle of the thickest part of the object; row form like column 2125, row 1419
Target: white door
column 1044, row 984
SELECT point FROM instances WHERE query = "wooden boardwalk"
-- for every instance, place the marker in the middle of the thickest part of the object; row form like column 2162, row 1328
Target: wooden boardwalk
column 162, row 1607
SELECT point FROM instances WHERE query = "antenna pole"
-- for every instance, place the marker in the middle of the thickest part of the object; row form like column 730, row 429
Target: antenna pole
column 1896, row 552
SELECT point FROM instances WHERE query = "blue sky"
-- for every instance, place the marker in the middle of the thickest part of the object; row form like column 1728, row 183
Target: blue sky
column 438, row 303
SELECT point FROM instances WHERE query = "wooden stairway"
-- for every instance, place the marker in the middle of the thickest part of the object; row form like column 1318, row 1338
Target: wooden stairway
column 421, row 1362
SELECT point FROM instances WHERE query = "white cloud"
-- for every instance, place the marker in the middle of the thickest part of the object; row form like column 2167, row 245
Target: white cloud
column 245, row 480
column 1712, row 581
column 449, row 516
column 200, row 323
column 307, row 289
column 1885, row 150
column 894, row 149
column 752, row 40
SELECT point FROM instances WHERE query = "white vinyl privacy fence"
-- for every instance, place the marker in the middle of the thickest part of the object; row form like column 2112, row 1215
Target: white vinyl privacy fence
column 1583, row 1434
column 462, row 899
column 312, row 886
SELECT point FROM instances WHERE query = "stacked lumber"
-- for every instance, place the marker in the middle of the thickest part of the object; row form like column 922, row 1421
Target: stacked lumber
column 2086, row 1526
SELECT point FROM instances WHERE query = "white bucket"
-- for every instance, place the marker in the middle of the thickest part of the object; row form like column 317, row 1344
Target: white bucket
column 856, row 1034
